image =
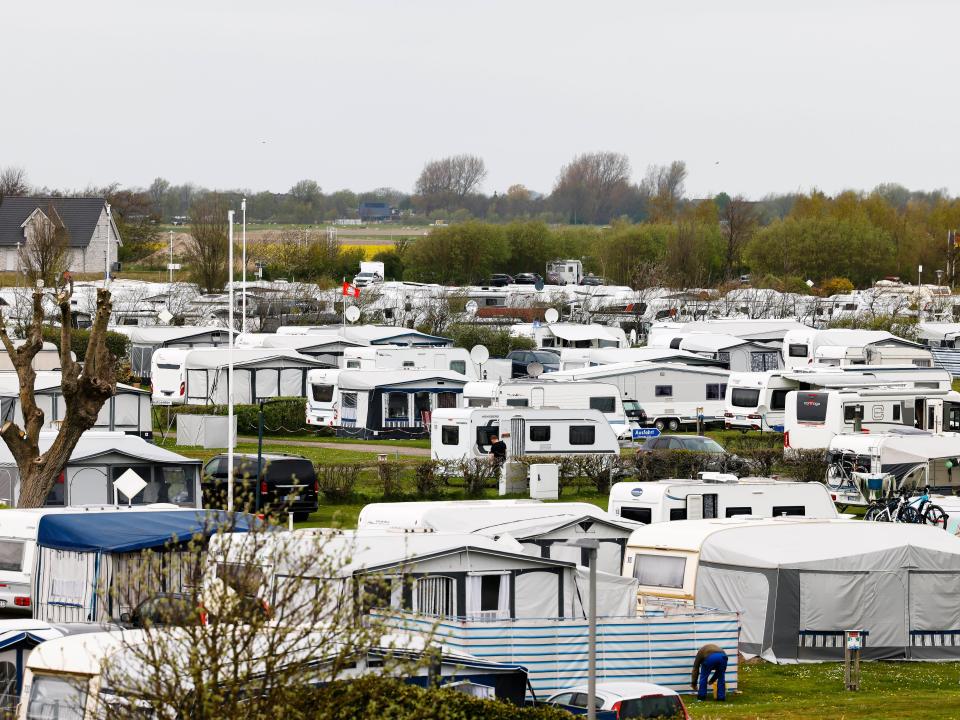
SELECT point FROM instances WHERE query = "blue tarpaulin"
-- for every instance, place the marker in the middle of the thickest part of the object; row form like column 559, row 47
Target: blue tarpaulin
column 128, row 531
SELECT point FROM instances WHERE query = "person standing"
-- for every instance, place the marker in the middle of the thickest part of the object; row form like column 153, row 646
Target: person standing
column 710, row 659
column 498, row 451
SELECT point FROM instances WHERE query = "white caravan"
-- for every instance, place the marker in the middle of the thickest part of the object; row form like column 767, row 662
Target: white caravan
column 546, row 392
column 665, row 395
column 757, row 401
column 571, row 335
column 666, row 500
column 814, row 417
column 569, row 272
column 838, row 346
column 425, row 358
column 465, row 433
column 579, row 358
column 381, row 403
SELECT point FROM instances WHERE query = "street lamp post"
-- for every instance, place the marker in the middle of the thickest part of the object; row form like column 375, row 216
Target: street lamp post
column 106, row 251
column 230, row 438
column 243, row 270
column 592, row 545
column 170, row 267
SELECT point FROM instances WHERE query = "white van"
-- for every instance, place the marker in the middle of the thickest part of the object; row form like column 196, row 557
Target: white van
column 814, row 417
column 169, row 376
column 666, row 500
column 463, row 433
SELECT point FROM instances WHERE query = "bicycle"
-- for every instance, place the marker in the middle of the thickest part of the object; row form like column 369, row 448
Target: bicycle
column 900, row 508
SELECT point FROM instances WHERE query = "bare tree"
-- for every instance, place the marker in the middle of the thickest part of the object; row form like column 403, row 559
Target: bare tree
column 208, row 244
column 663, row 186
column 444, row 182
column 45, row 254
column 13, row 182
column 739, row 221
column 84, row 390
column 593, row 187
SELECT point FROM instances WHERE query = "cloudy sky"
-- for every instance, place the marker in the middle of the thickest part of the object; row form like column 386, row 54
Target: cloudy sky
column 754, row 96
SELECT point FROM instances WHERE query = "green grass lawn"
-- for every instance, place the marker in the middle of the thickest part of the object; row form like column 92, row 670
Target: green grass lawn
column 888, row 690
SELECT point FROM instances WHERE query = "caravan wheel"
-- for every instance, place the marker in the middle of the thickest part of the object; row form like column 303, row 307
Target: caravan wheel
column 660, row 425
column 674, row 425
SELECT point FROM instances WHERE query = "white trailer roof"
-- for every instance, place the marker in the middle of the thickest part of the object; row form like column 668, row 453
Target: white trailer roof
column 710, row 342
column 370, row 379
column 94, row 443
column 157, row 334
column 294, row 342
column 573, row 332
column 856, row 338
column 212, row 358
column 689, row 535
column 918, row 446
column 628, row 368
column 48, row 380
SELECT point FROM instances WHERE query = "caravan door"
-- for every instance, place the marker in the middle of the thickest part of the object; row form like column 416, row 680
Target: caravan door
column 536, row 397
column 518, row 436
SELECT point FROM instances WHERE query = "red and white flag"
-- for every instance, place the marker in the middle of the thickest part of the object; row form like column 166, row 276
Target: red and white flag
column 351, row 290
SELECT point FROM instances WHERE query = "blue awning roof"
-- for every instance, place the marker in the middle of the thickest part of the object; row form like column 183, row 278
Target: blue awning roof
column 127, row 531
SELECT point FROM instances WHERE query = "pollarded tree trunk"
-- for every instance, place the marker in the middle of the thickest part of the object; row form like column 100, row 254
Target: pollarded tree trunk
column 84, row 390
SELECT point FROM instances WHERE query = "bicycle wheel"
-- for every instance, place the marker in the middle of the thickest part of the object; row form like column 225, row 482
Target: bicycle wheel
column 873, row 513
column 908, row 514
column 934, row 515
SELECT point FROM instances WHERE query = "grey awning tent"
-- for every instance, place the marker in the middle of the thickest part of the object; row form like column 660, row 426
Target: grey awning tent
column 800, row 586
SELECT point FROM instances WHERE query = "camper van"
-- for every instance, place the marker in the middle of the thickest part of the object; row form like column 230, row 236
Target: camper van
column 666, row 500
column 169, row 376
column 424, row 358
column 565, row 272
column 814, row 417
column 757, row 401
column 381, row 403
column 464, row 433
column 566, row 395
column 665, row 395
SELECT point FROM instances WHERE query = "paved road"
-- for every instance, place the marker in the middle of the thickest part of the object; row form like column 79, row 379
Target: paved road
column 368, row 447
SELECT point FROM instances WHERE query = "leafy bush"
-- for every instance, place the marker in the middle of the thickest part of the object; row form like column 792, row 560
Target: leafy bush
column 426, row 479
column 761, row 460
column 338, row 482
column 117, row 343
column 807, row 465
column 380, row 697
column 389, row 475
column 498, row 341
column 286, row 415
column 475, row 472
column 597, row 469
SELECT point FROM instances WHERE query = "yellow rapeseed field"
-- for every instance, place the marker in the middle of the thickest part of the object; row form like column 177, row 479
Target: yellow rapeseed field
column 368, row 250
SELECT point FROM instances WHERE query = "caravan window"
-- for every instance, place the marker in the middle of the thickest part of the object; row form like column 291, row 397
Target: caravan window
column 779, row 510
column 58, row 697
column 450, row 435
column 540, row 433
column 812, row 407
column 11, row 555
column 409, row 363
column 483, row 436
column 764, row 360
column 675, row 343
column 322, row 393
column 637, row 514
column 745, row 397
column 397, row 406
column 744, row 510
column 377, row 593
column 659, row 570
column 850, row 412
column 517, row 402
column 896, row 415
column 353, row 364
column 436, row 596
column 663, row 390
column 714, row 391
column 446, row 400
column 778, row 399
column 459, row 366
column 582, row 434
column 797, row 350
column 603, row 404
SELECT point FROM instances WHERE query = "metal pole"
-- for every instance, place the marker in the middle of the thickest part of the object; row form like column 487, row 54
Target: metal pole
column 171, row 259
column 592, row 641
column 230, row 438
column 106, row 251
column 243, row 233
column 259, row 457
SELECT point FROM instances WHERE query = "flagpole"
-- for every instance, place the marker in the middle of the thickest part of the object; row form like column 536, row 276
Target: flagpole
column 230, row 438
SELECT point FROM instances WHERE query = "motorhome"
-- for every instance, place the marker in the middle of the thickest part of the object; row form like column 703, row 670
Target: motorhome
column 567, row 272
column 665, row 395
column 757, row 401
column 464, row 433
column 546, row 392
column 200, row 376
column 862, row 465
column 551, row 336
column 666, row 500
column 381, row 403
column 837, row 346
column 425, row 358
column 580, row 358
column 814, row 417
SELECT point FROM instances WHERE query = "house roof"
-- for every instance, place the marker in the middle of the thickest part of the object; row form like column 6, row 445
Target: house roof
column 79, row 215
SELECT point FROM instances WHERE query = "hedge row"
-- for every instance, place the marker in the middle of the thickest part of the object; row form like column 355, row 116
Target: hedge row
column 117, row 343
column 283, row 415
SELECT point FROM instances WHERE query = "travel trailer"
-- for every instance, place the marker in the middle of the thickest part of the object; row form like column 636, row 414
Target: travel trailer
column 665, row 395
column 200, row 376
column 564, row 394
column 666, row 500
column 464, row 433
column 814, row 417
column 568, row 272
column 381, row 403
column 838, row 346
column 580, row 358
column 571, row 335
column 424, row 358
column 799, row 583
column 757, row 401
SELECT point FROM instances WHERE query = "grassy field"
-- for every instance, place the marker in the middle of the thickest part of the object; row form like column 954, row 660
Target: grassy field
column 793, row 692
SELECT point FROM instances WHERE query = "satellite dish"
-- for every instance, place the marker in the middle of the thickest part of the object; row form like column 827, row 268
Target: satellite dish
column 551, row 315
column 539, row 283
column 472, row 307
column 534, row 369
column 479, row 354
column 129, row 484
column 352, row 313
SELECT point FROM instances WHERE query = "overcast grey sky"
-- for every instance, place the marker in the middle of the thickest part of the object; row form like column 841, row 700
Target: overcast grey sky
column 754, row 96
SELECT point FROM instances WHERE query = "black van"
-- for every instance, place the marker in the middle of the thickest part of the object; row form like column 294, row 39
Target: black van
column 286, row 483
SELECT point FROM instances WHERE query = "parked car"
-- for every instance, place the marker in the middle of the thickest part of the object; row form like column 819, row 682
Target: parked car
column 500, row 280
column 365, row 279
column 696, row 443
column 592, row 280
column 286, row 483
column 627, row 699
column 526, row 279
column 522, row 358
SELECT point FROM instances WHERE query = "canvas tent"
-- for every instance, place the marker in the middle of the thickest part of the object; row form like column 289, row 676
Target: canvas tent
column 145, row 340
column 800, row 585
column 258, row 373
column 87, row 563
